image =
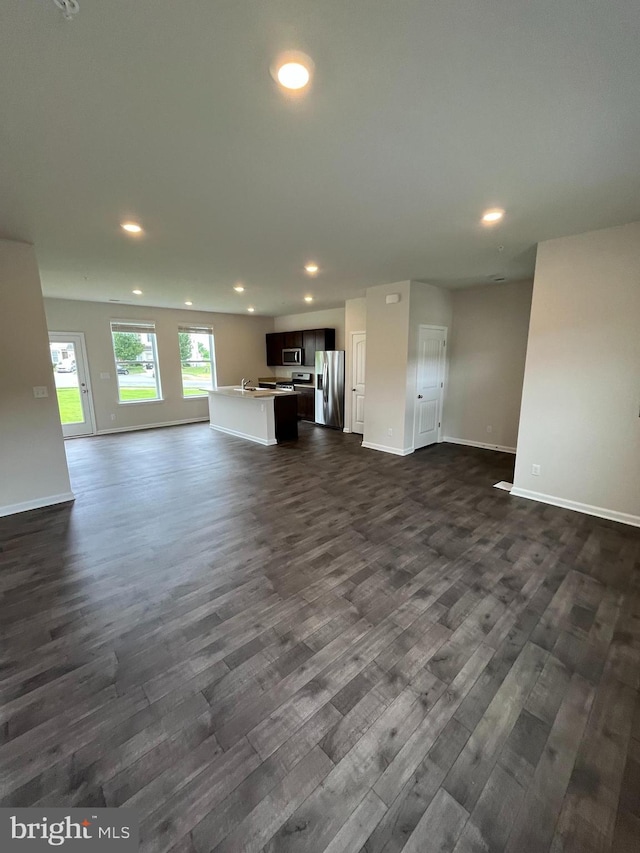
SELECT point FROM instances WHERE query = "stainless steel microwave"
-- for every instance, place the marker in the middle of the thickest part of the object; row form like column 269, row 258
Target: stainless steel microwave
column 292, row 356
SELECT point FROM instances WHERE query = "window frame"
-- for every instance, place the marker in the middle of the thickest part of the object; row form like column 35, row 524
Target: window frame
column 195, row 329
column 140, row 327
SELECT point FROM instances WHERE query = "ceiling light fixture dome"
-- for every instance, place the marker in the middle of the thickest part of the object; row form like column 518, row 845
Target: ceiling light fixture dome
column 311, row 268
column 238, row 288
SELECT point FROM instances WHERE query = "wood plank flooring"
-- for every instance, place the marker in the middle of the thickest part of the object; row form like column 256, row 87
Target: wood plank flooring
column 316, row 647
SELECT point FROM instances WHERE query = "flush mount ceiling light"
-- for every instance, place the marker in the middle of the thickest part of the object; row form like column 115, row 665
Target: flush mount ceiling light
column 251, row 310
column 238, row 288
column 188, row 303
column 490, row 217
column 131, row 227
column 311, row 268
column 293, row 70
column 308, row 299
column 137, row 292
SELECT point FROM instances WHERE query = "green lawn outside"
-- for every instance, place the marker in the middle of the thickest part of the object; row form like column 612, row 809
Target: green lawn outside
column 71, row 408
column 203, row 370
column 137, row 394
column 69, row 405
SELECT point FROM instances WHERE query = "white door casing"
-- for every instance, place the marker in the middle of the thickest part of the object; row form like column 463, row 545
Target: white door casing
column 430, row 378
column 358, row 350
column 74, row 383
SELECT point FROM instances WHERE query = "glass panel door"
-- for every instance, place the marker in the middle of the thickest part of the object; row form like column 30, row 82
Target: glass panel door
column 72, row 383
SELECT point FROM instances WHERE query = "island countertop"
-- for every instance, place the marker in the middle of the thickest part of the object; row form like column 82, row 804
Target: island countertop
column 270, row 416
column 258, row 394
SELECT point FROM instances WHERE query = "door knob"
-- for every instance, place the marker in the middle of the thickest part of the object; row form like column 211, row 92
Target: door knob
column 419, row 396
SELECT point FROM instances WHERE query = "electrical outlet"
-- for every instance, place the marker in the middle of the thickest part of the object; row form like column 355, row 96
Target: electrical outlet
column 113, row 417
column 535, row 470
column 489, row 428
column 40, row 391
column 389, row 431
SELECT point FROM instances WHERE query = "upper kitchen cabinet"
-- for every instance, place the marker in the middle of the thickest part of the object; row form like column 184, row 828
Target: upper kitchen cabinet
column 293, row 340
column 275, row 345
column 309, row 340
column 309, row 346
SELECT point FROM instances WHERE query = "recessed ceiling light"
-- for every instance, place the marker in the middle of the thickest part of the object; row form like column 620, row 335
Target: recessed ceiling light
column 490, row 217
column 137, row 292
column 251, row 310
column 238, row 288
column 131, row 227
column 311, row 268
column 292, row 70
column 188, row 303
column 293, row 75
column 308, row 299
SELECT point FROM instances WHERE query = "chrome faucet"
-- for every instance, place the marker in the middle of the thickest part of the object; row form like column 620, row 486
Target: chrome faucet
column 245, row 382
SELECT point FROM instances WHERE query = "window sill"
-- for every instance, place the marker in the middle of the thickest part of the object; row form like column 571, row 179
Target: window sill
column 196, row 396
column 139, row 402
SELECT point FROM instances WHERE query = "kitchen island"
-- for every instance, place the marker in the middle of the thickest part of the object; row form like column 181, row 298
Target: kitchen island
column 264, row 416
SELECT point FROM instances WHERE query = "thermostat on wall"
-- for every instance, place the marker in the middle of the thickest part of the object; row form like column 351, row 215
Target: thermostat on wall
column 392, row 298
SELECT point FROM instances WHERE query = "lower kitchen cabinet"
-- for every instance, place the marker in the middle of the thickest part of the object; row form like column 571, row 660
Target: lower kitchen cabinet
column 306, row 404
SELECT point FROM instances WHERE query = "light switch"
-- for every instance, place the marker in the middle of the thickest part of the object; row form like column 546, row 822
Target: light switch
column 105, row 376
column 40, row 391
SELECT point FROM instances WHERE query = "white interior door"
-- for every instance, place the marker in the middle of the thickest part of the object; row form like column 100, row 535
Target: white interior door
column 358, row 351
column 69, row 361
column 430, row 374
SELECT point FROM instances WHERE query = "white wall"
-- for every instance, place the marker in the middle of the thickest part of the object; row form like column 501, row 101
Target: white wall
column 239, row 345
column 487, row 350
column 386, row 367
column 392, row 340
column 581, row 398
column 431, row 306
column 355, row 320
column 33, row 466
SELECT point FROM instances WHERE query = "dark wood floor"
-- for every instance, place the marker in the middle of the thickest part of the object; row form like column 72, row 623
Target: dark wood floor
column 316, row 647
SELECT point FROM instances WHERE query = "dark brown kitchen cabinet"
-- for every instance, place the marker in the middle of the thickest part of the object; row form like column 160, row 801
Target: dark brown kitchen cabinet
column 306, row 404
column 325, row 339
column 309, row 346
column 309, row 340
column 275, row 345
column 293, row 340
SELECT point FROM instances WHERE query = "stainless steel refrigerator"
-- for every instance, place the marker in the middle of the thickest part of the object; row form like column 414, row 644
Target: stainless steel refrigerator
column 330, row 388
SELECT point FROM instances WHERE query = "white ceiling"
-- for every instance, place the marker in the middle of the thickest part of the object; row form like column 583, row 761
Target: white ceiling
column 422, row 114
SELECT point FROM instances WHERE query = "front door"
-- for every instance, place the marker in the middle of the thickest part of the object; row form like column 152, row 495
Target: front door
column 430, row 373
column 72, row 383
column 358, row 349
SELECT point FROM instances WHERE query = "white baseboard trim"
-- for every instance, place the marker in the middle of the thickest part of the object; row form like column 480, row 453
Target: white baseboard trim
column 384, row 449
column 266, row 442
column 37, row 503
column 587, row 509
column 147, row 426
column 480, row 444
column 346, row 429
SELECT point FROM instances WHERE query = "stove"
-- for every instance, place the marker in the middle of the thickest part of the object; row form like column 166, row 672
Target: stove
column 298, row 380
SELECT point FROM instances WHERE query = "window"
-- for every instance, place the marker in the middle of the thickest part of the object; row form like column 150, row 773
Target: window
column 197, row 360
column 134, row 348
